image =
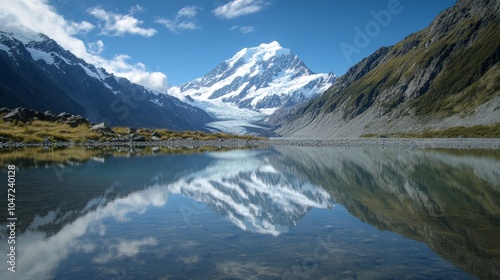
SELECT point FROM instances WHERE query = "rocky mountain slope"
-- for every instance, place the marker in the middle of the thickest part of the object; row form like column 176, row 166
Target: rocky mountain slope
column 245, row 89
column 37, row 73
column 443, row 76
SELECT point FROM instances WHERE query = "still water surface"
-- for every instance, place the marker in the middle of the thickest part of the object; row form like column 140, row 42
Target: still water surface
column 282, row 213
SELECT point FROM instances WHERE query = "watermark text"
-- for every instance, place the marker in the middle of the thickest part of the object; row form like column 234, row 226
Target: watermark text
column 11, row 219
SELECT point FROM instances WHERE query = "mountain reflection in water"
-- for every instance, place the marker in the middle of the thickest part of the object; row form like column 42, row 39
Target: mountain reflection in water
column 449, row 199
column 257, row 214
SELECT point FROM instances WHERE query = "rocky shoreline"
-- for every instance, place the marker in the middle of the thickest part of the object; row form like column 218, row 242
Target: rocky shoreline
column 419, row 143
column 235, row 143
column 151, row 138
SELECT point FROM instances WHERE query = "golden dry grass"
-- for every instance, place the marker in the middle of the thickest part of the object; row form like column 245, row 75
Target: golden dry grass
column 39, row 131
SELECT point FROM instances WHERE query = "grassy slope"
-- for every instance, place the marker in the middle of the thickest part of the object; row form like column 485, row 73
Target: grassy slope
column 38, row 131
column 468, row 55
column 470, row 77
column 478, row 131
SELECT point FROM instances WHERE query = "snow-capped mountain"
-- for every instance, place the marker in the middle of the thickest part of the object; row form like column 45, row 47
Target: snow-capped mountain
column 251, row 85
column 37, row 73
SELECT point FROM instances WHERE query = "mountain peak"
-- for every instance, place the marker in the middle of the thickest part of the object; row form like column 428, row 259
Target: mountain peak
column 245, row 89
column 261, row 53
column 272, row 45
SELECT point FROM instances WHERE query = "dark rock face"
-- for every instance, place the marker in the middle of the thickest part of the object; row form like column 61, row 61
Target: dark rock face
column 75, row 121
column 20, row 114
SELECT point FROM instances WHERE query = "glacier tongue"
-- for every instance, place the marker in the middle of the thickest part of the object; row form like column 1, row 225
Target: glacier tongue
column 241, row 92
column 230, row 118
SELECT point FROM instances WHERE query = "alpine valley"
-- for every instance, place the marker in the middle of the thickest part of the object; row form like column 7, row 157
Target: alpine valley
column 444, row 76
column 237, row 96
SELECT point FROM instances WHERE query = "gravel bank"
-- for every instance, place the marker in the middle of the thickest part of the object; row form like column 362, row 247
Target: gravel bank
column 441, row 143
column 444, row 143
column 187, row 143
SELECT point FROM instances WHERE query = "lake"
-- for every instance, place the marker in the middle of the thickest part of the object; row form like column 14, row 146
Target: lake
column 276, row 213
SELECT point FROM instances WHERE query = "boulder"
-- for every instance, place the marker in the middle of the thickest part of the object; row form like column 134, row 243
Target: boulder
column 131, row 130
column 47, row 116
column 103, row 129
column 139, row 138
column 63, row 116
column 77, row 120
column 20, row 114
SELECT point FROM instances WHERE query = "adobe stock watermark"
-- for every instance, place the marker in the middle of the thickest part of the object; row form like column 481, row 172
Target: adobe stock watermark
column 364, row 35
column 124, row 103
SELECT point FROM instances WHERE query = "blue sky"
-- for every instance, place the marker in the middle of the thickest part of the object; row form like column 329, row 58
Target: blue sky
column 165, row 43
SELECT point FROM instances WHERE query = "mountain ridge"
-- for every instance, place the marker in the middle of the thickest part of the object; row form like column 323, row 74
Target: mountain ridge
column 41, row 75
column 443, row 76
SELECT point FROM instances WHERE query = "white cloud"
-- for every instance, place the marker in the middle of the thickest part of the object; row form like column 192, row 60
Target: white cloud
column 125, row 248
column 136, row 9
column 119, row 25
column 40, row 17
column 80, row 27
column 247, row 29
column 57, row 247
column 188, row 11
column 184, row 20
column 244, row 29
column 237, row 8
column 136, row 73
column 96, row 47
column 36, row 15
